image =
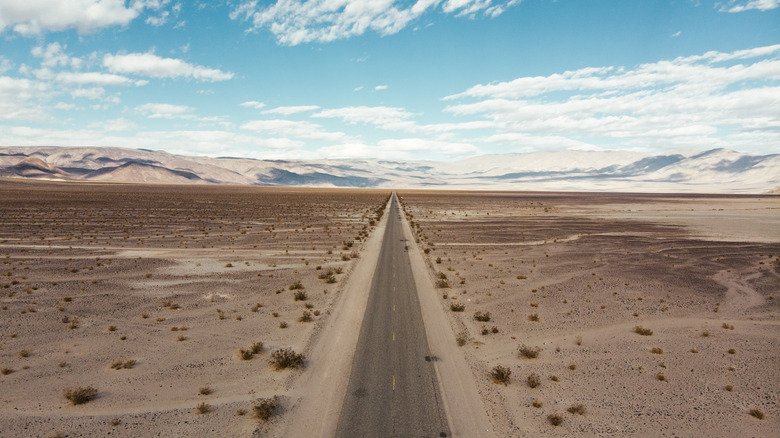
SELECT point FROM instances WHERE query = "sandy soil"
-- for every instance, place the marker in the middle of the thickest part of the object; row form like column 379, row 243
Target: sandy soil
column 574, row 274
column 169, row 277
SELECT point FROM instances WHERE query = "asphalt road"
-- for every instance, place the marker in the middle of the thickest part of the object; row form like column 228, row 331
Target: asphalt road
column 392, row 389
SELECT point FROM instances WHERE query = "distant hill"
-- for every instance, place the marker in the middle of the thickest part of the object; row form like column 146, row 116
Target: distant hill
column 713, row 171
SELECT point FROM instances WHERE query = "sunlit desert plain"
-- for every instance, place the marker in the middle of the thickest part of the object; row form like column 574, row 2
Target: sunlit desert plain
column 610, row 314
column 168, row 301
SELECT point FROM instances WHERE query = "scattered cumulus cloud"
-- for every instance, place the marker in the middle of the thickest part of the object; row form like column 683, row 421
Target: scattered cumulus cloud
column 380, row 88
column 149, row 64
column 33, row 17
column 376, row 115
column 164, row 110
column 295, row 22
column 712, row 100
column 734, row 6
column 676, row 34
column 253, row 104
column 103, row 79
column 291, row 128
column 288, row 110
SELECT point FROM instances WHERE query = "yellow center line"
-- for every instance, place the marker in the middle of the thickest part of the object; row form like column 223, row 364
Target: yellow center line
column 393, row 336
column 394, row 383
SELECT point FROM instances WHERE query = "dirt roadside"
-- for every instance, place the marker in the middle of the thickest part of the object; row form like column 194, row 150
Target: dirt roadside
column 463, row 404
column 319, row 392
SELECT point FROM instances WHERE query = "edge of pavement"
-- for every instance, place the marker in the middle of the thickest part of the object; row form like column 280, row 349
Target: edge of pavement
column 321, row 389
column 462, row 403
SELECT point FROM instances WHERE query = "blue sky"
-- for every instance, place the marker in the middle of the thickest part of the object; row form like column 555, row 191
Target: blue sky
column 426, row 79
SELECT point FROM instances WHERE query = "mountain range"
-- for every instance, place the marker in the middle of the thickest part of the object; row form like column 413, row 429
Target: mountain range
column 713, row 171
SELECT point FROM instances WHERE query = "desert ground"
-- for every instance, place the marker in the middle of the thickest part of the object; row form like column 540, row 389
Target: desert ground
column 606, row 314
column 610, row 314
column 149, row 294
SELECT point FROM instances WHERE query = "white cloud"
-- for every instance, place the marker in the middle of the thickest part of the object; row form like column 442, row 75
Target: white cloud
column 380, row 88
column 387, row 117
column 405, row 148
column 676, row 34
column 298, row 129
column 164, row 111
column 114, row 125
column 700, row 101
column 158, row 20
column 53, row 55
column 19, row 97
column 94, row 93
column 253, row 104
column 149, row 64
column 288, row 110
column 5, row 64
column 741, row 5
column 102, row 79
column 301, row 21
column 32, row 17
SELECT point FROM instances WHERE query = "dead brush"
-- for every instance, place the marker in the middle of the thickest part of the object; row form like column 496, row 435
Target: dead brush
column 533, row 380
column 482, row 317
column 528, row 352
column 578, row 409
column 642, row 331
column 81, row 394
column 286, row 358
column 265, row 408
column 501, row 374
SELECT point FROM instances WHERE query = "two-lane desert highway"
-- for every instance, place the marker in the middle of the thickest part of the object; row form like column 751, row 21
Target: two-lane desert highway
column 393, row 391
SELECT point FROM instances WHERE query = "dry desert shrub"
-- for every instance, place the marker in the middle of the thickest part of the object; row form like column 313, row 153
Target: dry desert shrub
column 482, row 317
column 728, row 388
column 727, row 326
column 534, row 317
column 457, row 307
column 578, row 409
column 501, row 374
column 757, row 413
column 81, row 394
column 660, row 376
column 494, row 330
column 283, row 324
column 528, row 352
column 244, row 354
column 572, row 366
column 732, row 351
column 578, row 340
column 537, row 403
column 205, row 390
column 657, row 350
column 554, row 378
column 300, row 295
column 203, row 408
column 555, row 419
column 533, row 380
column 25, row 353
column 286, row 358
column 705, row 333
column 442, row 284
column 119, row 364
column 462, row 338
column 256, row 348
column 115, row 422
column 265, row 407
column 642, row 331
column 6, row 371
column 297, row 285
column 305, row 317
